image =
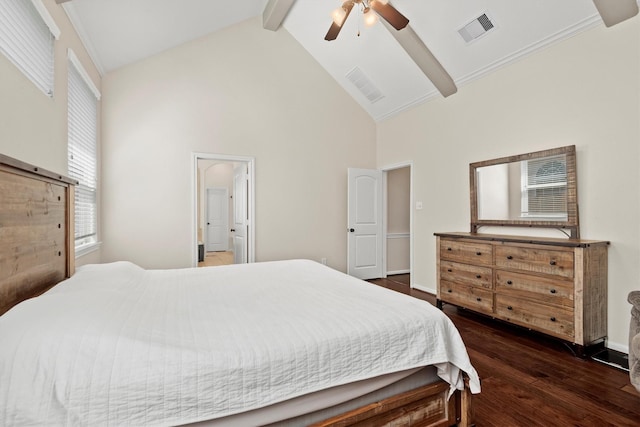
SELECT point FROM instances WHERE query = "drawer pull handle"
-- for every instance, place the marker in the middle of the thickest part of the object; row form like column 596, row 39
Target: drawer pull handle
column 478, row 276
column 478, row 253
column 553, row 319
column 509, row 282
column 478, row 299
column 553, row 291
column 449, row 249
column 509, row 257
column 449, row 270
column 552, row 262
column 449, row 290
column 509, row 308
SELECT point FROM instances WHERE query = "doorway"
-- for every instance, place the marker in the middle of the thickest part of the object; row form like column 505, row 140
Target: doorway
column 398, row 220
column 380, row 221
column 223, row 204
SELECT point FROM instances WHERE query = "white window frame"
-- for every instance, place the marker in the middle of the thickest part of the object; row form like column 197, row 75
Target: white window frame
column 25, row 41
column 84, row 141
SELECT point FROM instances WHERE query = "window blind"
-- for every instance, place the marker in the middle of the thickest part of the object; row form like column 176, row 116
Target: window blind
column 27, row 35
column 83, row 113
column 545, row 188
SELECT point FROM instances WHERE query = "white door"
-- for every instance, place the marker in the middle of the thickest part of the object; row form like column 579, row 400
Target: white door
column 364, row 244
column 217, row 219
column 240, row 214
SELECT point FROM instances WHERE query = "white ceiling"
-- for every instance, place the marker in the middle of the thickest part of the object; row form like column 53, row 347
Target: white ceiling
column 119, row 32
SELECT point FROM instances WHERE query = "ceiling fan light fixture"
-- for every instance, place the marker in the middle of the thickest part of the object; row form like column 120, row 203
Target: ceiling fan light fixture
column 373, row 9
column 338, row 16
column 370, row 17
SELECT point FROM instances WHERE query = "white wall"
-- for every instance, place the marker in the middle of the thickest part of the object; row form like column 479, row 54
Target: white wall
column 583, row 91
column 33, row 126
column 242, row 91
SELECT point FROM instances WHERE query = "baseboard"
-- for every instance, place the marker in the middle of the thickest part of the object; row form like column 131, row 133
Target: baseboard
column 613, row 358
column 391, row 273
column 617, row 347
column 422, row 288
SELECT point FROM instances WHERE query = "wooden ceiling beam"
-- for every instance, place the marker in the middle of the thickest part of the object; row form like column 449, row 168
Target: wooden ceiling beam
column 424, row 58
column 614, row 12
column 274, row 13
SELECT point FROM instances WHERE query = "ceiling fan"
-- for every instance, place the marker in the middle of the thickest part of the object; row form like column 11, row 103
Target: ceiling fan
column 381, row 7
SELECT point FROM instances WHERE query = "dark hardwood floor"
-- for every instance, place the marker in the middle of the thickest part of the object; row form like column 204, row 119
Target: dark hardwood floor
column 532, row 380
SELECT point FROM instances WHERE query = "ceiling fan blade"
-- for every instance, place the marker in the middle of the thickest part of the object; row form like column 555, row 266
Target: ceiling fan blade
column 334, row 30
column 614, row 12
column 390, row 14
column 61, row 1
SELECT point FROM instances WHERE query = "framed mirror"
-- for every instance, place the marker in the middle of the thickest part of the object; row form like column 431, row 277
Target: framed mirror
column 528, row 190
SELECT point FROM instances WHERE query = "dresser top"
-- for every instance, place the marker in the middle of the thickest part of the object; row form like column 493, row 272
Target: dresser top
column 575, row 243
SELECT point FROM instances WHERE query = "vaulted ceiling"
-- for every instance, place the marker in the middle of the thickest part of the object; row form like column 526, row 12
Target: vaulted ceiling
column 384, row 70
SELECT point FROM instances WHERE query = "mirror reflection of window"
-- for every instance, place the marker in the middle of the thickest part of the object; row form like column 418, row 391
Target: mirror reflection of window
column 544, row 188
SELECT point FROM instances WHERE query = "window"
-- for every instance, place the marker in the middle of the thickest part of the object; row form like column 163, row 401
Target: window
column 27, row 33
column 83, row 141
column 544, row 188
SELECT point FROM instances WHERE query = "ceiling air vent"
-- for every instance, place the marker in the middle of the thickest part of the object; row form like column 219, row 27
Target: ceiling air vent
column 362, row 82
column 476, row 28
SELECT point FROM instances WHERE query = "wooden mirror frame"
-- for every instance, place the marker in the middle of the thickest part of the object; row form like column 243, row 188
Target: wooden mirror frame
column 571, row 224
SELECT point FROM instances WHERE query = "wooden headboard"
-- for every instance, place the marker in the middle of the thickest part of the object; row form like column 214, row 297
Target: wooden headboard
column 36, row 230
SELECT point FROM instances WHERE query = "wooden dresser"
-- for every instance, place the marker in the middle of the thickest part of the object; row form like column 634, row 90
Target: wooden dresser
column 554, row 286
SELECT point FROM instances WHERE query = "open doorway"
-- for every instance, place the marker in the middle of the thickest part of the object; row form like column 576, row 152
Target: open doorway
column 398, row 221
column 224, row 207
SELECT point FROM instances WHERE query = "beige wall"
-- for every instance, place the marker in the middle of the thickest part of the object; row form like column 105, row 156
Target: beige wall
column 33, row 126
column 250, row 92
column 583, row 91
column 242, row 91
column 398, row 200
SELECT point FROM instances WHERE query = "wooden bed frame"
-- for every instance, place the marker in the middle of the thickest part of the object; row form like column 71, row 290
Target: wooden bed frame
column 36, row 230
column 37, row 252
column 425, row 406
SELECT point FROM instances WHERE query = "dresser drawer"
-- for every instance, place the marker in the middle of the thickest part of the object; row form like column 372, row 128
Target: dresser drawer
column 542, row 289
column 534, row 259
column 472, row 297
column 553, row 320
column 466, row 274
column 466, row 252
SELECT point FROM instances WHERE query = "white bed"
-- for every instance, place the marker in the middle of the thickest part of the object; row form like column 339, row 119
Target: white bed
column 119, row 345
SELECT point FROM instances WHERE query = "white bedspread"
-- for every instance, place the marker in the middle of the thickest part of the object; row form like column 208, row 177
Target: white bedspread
column 119, row 345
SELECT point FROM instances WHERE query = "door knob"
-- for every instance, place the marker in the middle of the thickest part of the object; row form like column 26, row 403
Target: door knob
column 352, row 230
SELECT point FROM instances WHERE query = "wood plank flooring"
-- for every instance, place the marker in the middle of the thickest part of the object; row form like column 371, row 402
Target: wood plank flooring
column 532, row 380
